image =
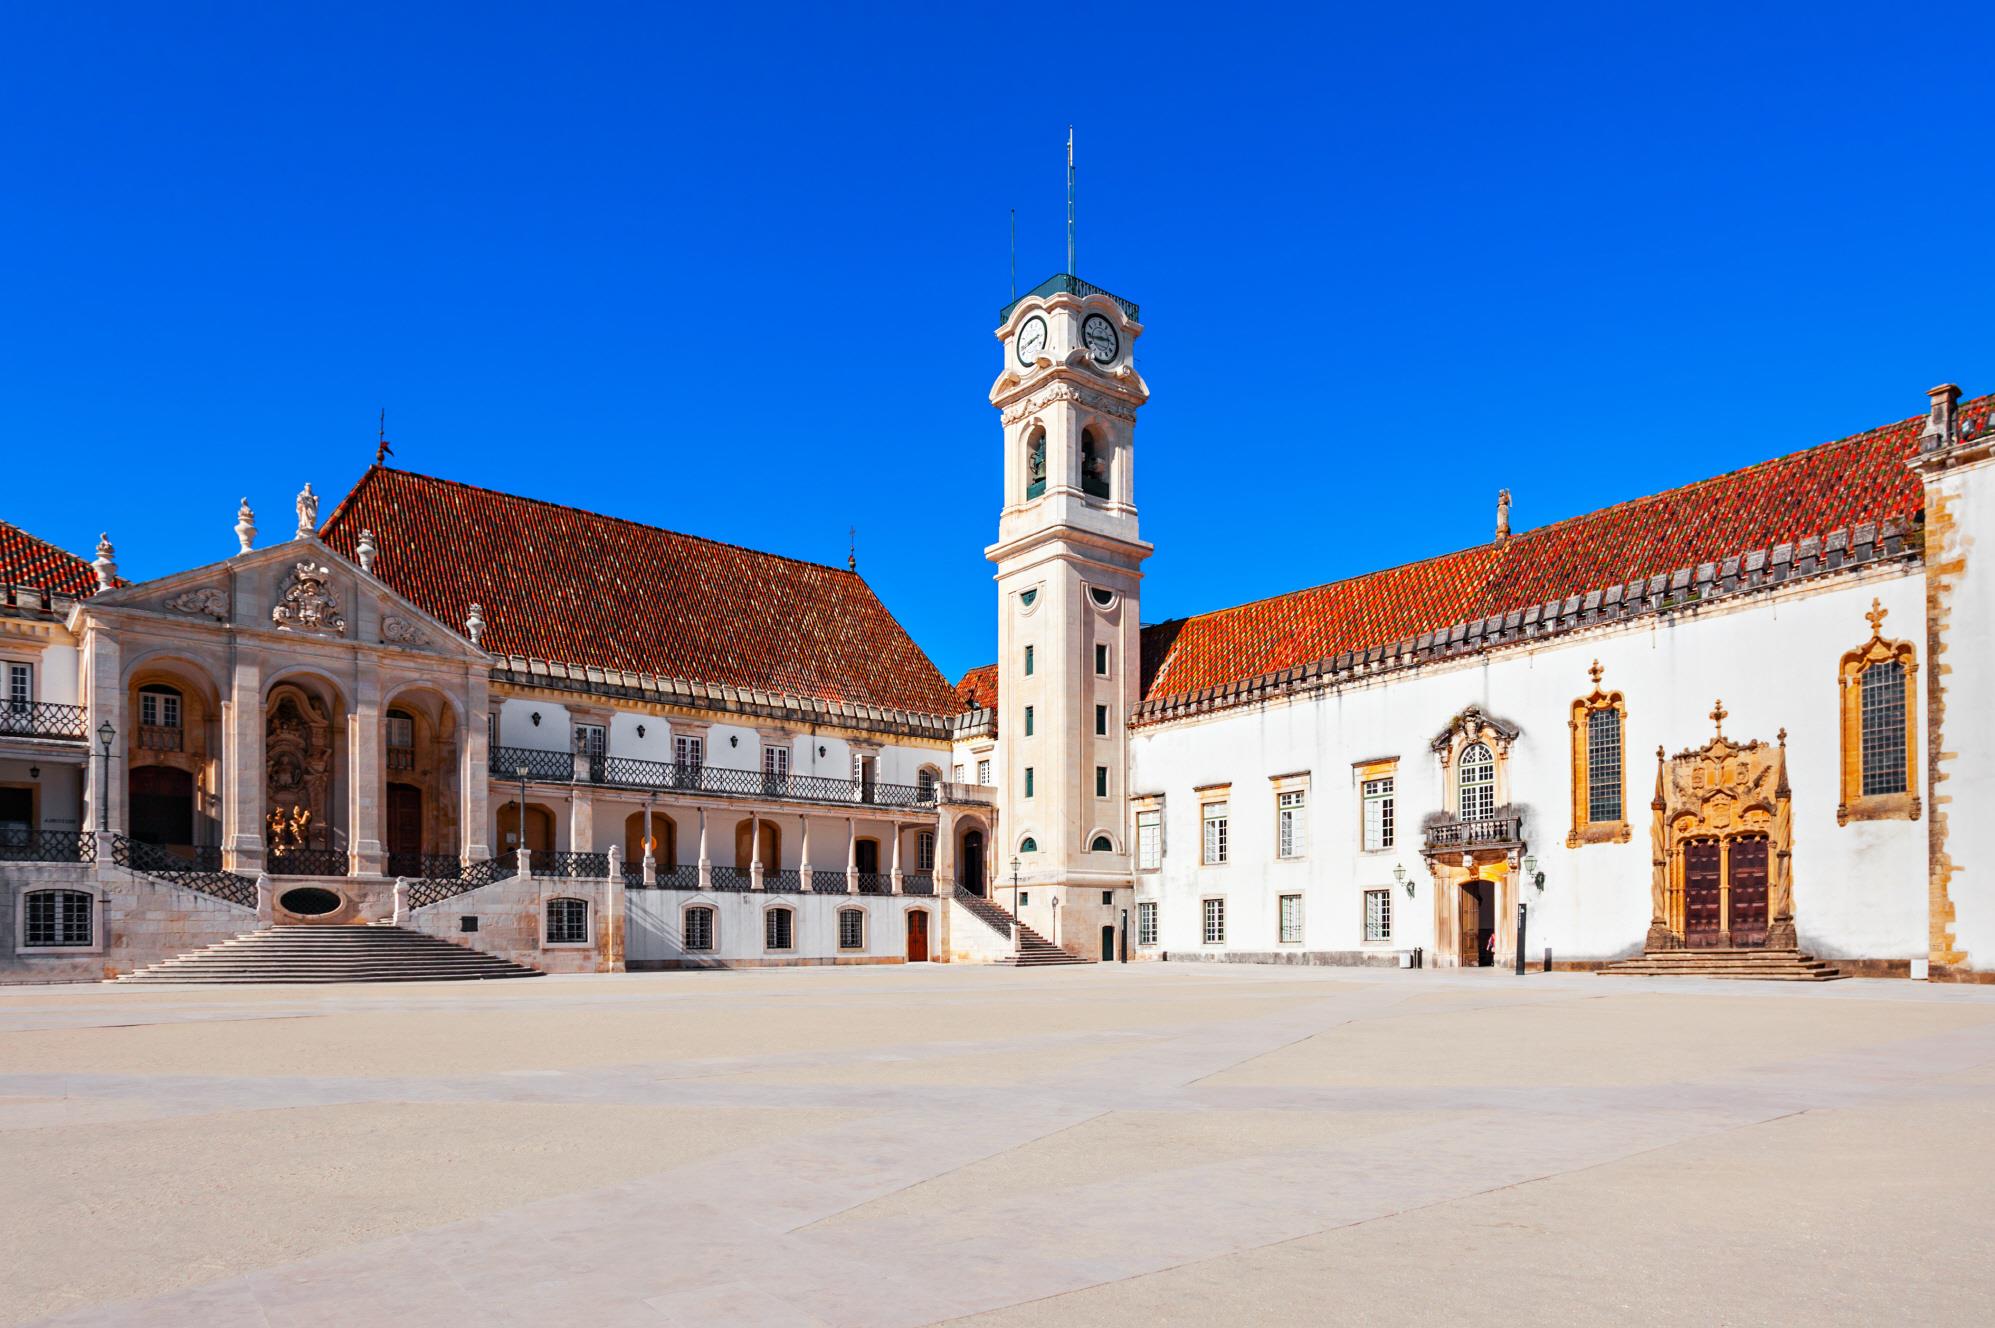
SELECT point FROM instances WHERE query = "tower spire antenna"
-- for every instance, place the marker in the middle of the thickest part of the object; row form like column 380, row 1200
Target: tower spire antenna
column 1070, row 201
column 382, row 451
column 1014, row 253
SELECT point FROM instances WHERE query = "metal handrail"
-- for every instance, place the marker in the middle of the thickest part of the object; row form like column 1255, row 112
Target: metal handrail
column 469, row 877
column 43, row 719
column 308, row 862
column 154, row 860
column 548, row 766
column 20, row 844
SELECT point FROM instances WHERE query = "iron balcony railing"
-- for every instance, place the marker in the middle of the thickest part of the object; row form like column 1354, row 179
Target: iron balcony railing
column 918, row 883
column 469, row 877
column 308, row 862
column 20, row 844
column 426, row 866
column 788, row 881
column 729, row 878
column 545, row 766
column 875, row 883
column 42, row 719
column 1473, row 833
column 572, row 866
column 170, row 865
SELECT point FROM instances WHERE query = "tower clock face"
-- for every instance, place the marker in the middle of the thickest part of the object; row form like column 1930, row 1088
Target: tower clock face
column 1031, row 339
column 1100, row 337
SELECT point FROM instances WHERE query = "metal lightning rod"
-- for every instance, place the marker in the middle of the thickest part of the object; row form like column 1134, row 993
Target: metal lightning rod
column 1070, row 201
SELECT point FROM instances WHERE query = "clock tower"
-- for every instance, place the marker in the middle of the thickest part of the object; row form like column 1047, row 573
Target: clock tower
column 1069, row 567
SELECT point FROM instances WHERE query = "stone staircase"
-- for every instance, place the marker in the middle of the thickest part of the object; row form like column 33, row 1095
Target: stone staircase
column 1764, row 965
column 1034, row 950
column 359, row 953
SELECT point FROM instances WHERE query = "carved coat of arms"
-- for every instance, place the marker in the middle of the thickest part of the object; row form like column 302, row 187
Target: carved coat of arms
column 307, row 603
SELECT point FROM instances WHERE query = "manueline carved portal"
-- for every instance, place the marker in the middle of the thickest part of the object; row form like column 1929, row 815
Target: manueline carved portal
column 1722, row 844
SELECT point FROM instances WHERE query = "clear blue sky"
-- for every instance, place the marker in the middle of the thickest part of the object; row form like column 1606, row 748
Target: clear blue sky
column 737, row 274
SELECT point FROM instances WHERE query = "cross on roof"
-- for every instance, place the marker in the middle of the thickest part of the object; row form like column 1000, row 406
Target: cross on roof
column 1876, row 617
column 1595, row 673
column 1718, row 713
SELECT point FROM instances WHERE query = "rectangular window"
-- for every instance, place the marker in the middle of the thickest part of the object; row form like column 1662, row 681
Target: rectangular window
column 1146, row 923
column 1101, row 721
column 1101, row 661
column 1884, row 728
column 1215, row 922
column 984, row 773
column 1378, row 814
column 1291, row 919
column 1603, row 765
column 591, row 739
column 689, row 752
column 699, row 929
column 1028, row 781
column 851, row 929
column 775, row 760
column 20, row 685
column 159, row 710
column 1149, row 840
column 956, row 773
column 567, row 921
column 1028, row 661
column 1378, row 915
column 57, row 917
column 924, row 850
column 1101, row 781
column 777, row 929
column 401, row 731
column 1028, row 721
column 1108, row 897
column 1023, row 899
column 1213, row 814
column 1292, row 832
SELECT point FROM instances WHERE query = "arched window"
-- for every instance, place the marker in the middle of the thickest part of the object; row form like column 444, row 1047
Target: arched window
column 1477, row 785
column 1880, row 747
column 1102, row 844
column 1035, row 464
column 779, row 929
column 1599, row 801
column 1094, row 466
column 1028, row 845
column 56, row 917
column 699, row 928
column 567, row 921
column 159, row 718
column 925, row 781
column 851, row 928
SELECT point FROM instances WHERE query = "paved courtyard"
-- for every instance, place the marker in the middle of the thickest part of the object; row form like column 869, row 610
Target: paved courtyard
column 1110, row 1145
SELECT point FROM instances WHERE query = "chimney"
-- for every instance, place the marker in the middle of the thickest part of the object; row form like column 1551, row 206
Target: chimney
column 1941, row 418
column 1503, row 514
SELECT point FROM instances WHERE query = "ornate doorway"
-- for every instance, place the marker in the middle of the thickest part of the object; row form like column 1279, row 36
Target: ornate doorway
column 1722, row 846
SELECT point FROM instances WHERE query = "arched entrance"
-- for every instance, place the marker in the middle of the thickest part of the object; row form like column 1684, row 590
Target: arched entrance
column 970, row 862
column 162, row 806
column 1722, row 847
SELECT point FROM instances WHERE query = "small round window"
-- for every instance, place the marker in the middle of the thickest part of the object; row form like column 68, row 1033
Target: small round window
column 1101, row 845
column 1026, row 597
column 1028, row 845
column 1102, row 598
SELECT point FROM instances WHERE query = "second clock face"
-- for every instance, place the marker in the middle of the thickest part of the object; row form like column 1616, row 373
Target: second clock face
column 1031, row 339
column 1101, row 339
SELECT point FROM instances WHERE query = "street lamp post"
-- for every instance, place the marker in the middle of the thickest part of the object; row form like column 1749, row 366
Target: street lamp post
column 105, row 734
column 1014, row 887
column 519, row 841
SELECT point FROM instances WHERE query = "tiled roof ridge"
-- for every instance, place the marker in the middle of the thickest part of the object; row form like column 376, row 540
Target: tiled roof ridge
column 1552, row 527
column 73, row 576
column 1744, row 572
column 329, row 522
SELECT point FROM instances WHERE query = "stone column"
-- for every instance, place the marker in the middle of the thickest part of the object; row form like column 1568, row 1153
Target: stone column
column 945, row 853
column 851, row 856
column 610, row 940
column 242, row 763
column 754, row 850
column 706, row 863
column 803, row 869
column 894, row 881
column 474, row 777
column 106, row 701
column 581, row 820
column 366, row 775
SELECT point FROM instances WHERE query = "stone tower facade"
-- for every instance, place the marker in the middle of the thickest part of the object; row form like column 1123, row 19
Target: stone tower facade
column 1069, row 571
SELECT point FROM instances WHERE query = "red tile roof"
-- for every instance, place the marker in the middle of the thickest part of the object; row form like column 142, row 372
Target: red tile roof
column 27, row 561
column 568, row 586
column 1830, row 487
column 978, row 687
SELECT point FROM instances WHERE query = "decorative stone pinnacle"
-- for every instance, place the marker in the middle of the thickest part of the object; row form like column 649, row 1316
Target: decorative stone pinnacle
column 1718, row 714
column 308, row 512
column 474, row 624
column 1503, row 514
column 246, row 526
column 107, row 562
column 1876, row 617
column 1596, row 673
column 365, row 550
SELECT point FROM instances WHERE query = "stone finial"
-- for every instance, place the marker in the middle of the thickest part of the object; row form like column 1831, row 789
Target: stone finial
column 107, row 563
column 401, row 915
column 365, row 550
column 474, row 624
column 1503, row 514
column 1718, row 716
column 308, row 512
column 1942, row 417
column 246, row 526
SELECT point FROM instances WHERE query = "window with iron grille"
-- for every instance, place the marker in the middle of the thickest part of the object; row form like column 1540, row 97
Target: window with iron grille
column 1377, row 795
column 924, row 784
column 1214, row 818
column 567, row 921
column 57, row 917
column 851, row 929
column 699, row 928
column 778, row 929
column 1146, row 923
column 1149, row 840
column 1291, row 919
column 1291, row 833
column 1478, row 782
column 924, row 850
column 1214, row 917
column 1378, row 915
column 1603, row 765
column 1884, row 728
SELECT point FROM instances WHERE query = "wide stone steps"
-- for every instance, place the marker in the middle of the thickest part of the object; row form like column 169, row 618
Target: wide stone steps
column 1756, row 965
column 332, row 954
column 1034, row 950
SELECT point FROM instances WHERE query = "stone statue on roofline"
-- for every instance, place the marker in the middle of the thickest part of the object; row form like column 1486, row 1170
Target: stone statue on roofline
column 308, row 512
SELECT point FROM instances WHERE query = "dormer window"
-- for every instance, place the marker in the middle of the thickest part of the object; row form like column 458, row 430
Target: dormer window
column 1035, row 464
column 1094, row 466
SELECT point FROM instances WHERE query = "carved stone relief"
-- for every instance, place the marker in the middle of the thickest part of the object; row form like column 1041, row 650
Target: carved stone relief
column 211, row 601
column 307, row 604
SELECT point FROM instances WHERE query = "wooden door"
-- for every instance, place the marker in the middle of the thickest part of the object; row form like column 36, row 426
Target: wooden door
column 1747, row 863
column 866, row 855
column 1703, row 897
column 162, row 805
column 970, row 868
column 1468, row 926
column 1108, row 944
column 405, row 830
column 917, row 936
